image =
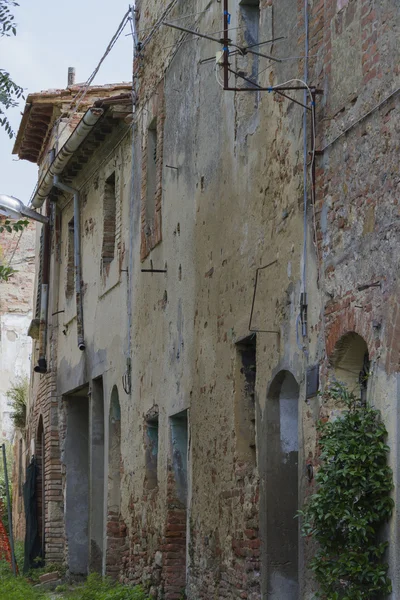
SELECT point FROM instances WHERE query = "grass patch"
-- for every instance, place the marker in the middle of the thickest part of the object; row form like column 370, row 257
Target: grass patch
column 96, row 588
column 17, row 588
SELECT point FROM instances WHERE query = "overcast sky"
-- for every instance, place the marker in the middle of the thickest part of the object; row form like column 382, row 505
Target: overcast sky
column 52, row 36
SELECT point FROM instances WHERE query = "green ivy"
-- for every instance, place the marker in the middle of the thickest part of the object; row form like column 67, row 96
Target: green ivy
column 6, row 225
column 346, row 514
column 9, row 226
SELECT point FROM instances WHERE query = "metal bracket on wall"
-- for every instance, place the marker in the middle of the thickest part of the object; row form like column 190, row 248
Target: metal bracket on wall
column 254, row 299
column 152, row 270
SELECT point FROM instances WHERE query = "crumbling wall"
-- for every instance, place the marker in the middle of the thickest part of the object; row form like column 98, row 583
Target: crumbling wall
column 233, row 201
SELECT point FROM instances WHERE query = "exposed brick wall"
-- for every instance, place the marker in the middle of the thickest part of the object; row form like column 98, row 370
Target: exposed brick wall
column 116, row 543
column 174, row 544
column 354, row 206
column 46, row 407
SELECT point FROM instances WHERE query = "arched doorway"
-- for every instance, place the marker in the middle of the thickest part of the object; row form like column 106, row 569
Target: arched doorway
column 40, row 484
column 282, row 483
column 115, row 533
column 350, row 362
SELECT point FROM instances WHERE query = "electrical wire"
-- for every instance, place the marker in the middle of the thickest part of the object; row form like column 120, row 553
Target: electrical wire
column 172, row 21
column 196, row 39
column 15, row 248
column 158, row 23
column 79, row 97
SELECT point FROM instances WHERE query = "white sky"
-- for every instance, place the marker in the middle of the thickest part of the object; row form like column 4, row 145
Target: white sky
column 52, row 36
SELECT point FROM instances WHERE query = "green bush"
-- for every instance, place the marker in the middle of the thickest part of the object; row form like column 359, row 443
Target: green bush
column 352, row 502
column 17, row 399
column 97, row 588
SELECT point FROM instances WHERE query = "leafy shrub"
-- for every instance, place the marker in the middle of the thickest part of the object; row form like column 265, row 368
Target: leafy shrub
column 351, row 504
column 17, row 398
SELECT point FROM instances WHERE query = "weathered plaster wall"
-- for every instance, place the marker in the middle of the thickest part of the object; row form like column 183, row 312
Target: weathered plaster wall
column 357, row 65
column 234, row 202
column 105, row 327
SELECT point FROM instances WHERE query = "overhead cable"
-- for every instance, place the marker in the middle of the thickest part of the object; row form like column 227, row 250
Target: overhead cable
column 79, row 97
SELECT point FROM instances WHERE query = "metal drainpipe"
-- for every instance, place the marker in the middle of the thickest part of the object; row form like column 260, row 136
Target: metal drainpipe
column 41, row 367
column 77, row 259
column 303, row 300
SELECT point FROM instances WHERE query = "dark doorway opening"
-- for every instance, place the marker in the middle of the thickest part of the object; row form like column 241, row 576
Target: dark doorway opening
column 282, row 482
column 115, row 527
column 77, row 482
column 176, row 527
column 96, row 524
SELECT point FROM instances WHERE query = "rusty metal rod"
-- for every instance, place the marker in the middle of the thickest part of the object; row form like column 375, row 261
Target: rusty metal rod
column 247, row 50
column 243, row 77
column 258, row 88
column 202, row 35
column 243, row 50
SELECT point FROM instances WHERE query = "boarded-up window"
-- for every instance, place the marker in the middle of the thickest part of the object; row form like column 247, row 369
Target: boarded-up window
column 152, row 173
column 109, row 220
column 70, row 283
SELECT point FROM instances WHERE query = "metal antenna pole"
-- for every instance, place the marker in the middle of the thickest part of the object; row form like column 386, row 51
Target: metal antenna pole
column 10, row 526
column 226, row 45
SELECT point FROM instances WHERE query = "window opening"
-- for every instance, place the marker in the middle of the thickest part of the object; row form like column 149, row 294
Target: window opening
column 250, row 18
column 69, row 288
column 109, row 220
column 245, row 404
column 151, row 445
column 151, row 175
column 177, row 499
column 350, row 361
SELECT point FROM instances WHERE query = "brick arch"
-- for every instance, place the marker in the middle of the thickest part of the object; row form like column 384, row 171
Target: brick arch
column 349, row 321
column 349, row 361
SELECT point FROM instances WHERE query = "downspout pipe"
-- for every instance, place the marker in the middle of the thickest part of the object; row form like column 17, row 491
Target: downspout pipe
column 77, row 259
column 303, row 300
column 41, row 367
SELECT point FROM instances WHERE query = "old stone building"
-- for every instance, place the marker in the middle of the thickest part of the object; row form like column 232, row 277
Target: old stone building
column 58, row 327
column 238, row 248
